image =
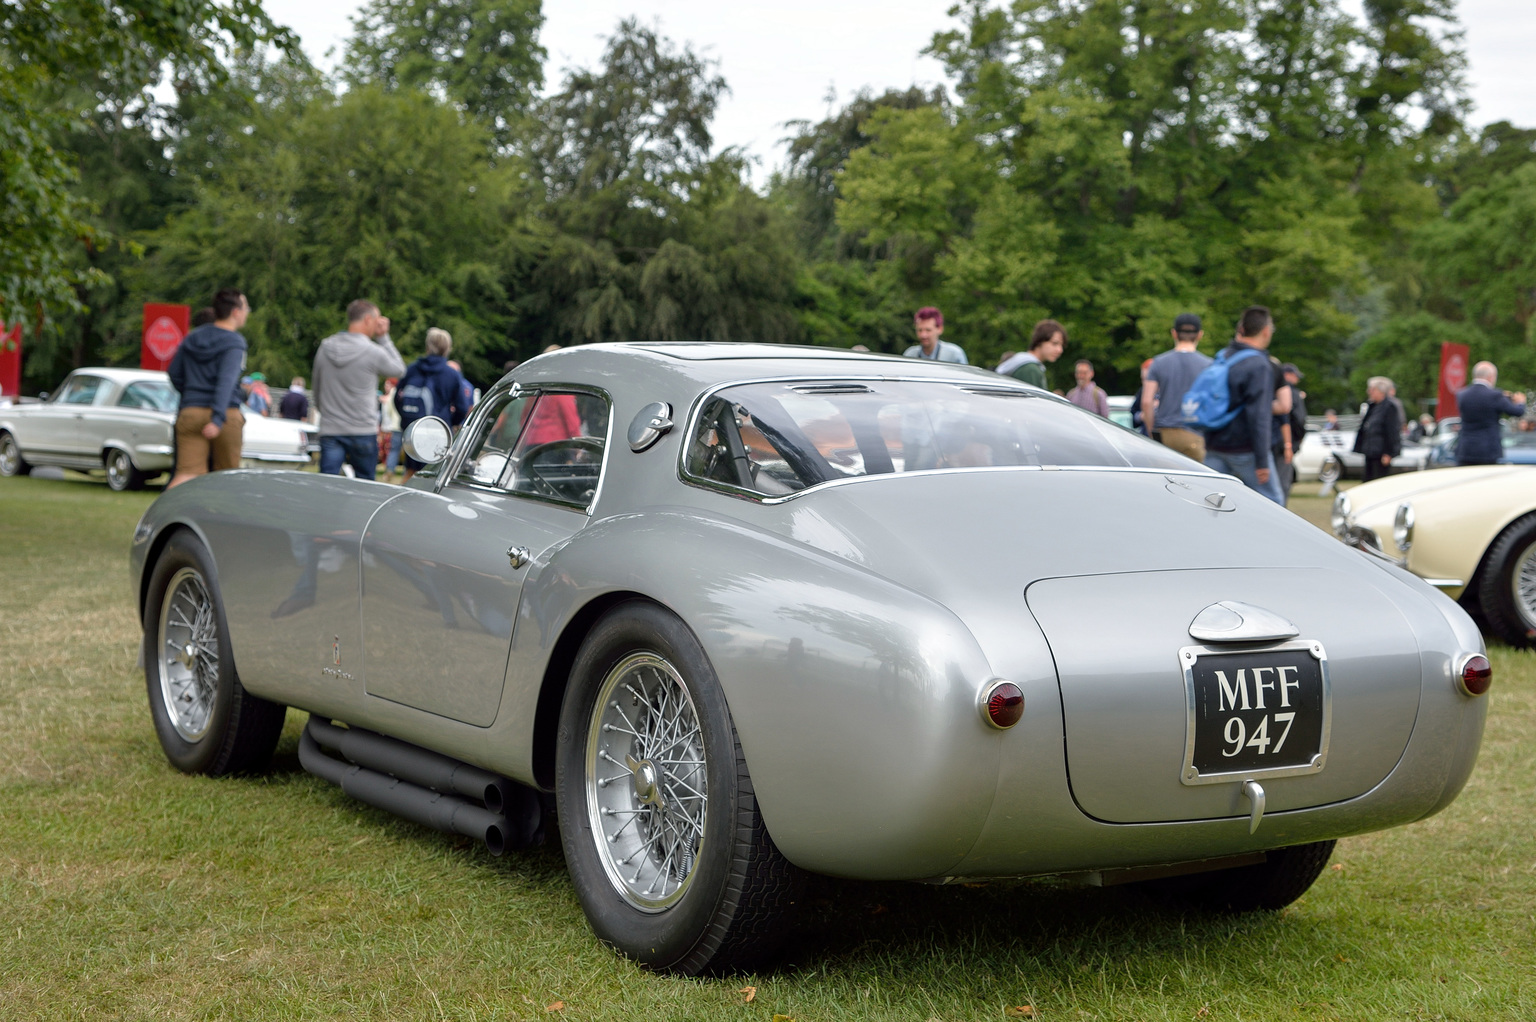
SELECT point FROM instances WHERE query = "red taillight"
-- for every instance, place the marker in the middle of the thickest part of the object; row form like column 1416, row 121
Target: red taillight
column 1003, row 704
column 1476, row 675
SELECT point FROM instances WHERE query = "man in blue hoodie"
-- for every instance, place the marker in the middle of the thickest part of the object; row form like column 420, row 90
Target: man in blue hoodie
column 431, row 386
column 206, row 372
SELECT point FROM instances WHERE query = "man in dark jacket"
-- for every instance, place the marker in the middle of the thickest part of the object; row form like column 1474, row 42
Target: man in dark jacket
column 1482, row 405
column 431, row 386
column 1380, row 438
column 206, row 373
column 1241, row 447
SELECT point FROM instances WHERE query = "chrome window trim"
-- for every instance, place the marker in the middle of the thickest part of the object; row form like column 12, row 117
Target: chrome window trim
column 449, row 475
column 1001, row 384
column 1187, row 657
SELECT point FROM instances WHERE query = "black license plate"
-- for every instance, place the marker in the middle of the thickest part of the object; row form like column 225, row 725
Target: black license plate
column 1258, row 713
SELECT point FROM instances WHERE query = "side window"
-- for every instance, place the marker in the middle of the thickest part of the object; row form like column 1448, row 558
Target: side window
column 81, row 390
column 490, row 450
column 559, row 455
column 160, row 397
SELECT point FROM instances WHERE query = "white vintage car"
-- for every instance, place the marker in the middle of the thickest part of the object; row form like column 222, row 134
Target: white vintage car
column 1329, row 455
column 1470, row 532
column 123, row 421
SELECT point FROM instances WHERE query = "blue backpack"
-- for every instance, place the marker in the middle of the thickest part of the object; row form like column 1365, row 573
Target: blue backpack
column 1207, row 402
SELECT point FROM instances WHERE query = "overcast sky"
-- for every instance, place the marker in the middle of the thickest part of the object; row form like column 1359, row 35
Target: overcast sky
column 782, row 60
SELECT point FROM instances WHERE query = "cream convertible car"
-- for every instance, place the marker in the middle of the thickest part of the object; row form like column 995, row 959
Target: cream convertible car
column 1470, row 531
column 749, row 612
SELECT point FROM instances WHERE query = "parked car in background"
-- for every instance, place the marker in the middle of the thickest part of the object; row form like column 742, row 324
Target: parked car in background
column 749, row 612
column 122, row 421
column 1519, row 445
column 1328, row 455
column 1470, row 532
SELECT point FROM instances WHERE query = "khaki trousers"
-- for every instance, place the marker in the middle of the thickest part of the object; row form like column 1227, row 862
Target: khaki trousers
column 1186, row 441
column 192, row 448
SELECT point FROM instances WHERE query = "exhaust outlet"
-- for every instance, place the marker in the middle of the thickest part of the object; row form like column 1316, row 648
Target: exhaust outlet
column 447, row 813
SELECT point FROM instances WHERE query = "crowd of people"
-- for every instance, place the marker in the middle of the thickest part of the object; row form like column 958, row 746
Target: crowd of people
column 1241, row 412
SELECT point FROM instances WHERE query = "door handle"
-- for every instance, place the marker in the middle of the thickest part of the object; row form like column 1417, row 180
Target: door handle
column 518, row 555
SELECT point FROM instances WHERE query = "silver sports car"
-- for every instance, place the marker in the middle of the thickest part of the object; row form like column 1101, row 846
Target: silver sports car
column 737, row 613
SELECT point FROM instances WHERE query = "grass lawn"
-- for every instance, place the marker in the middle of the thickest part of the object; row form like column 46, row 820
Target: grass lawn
column 128, row 890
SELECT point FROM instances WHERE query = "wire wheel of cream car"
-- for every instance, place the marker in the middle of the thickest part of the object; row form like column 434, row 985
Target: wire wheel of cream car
column 662, row 834
column 121, row 473
column 1507, row 592
column 206, row 722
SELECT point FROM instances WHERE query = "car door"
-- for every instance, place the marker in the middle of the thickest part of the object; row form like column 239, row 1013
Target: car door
column 443, row 569
column 55, row 428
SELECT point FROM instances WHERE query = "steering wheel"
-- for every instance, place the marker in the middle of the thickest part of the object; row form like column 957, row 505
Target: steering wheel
column 527, row 460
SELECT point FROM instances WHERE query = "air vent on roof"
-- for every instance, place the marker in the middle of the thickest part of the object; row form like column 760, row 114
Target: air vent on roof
column 832, row 388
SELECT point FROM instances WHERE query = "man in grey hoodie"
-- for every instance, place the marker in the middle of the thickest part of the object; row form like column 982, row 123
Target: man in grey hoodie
column 346, row 387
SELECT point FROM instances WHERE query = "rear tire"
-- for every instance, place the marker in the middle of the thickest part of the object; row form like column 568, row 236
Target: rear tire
column 1268, row 886
column 11, row 461
column 121, row 473
column 1507, row 591
column 663, row 838
column 206, row 721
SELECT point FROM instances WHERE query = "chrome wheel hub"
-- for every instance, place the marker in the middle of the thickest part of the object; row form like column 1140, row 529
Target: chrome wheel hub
column 9, row 459
column 188, row 654
column 1523, row 582
column 117, row 470
column 647, row 787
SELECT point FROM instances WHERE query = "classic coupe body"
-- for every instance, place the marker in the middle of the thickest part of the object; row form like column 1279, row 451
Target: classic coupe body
column 749, row 612
column 123, row 421
column 1470, row 531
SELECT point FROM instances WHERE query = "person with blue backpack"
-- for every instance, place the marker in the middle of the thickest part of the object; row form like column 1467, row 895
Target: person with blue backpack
column 1231, row 403
column 431, row 386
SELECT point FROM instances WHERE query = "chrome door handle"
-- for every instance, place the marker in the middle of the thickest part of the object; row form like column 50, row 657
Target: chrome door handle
column 518, row 555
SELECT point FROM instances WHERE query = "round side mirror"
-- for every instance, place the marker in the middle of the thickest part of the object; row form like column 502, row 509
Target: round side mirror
column 428, row 440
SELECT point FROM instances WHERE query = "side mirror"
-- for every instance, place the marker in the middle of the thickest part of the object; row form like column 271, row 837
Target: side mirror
column 428, row 440
column 42, row 396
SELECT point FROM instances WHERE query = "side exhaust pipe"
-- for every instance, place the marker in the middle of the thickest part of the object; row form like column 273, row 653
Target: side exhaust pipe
column 410, row 793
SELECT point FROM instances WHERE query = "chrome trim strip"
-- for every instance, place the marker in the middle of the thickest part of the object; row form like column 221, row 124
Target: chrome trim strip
column 1445, row 583
column 1002, row 383
column 1189, row 775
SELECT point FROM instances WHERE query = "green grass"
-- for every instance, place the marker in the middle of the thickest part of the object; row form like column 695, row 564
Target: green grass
column 128, row 890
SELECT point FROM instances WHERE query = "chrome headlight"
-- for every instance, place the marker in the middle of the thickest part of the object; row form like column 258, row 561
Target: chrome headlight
column 1340, row 517
column 1402, row 527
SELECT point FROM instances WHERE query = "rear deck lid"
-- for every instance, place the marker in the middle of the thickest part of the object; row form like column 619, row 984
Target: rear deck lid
column 1162, row 726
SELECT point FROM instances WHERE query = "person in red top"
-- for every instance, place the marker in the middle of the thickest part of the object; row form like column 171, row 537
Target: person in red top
column 554, row 417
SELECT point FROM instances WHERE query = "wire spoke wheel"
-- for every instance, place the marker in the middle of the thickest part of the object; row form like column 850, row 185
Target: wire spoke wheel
column 188, row 651
column 1523, row 585
column 647, row 786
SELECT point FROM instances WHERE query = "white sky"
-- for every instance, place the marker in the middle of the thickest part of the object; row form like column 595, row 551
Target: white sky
column 781, row 60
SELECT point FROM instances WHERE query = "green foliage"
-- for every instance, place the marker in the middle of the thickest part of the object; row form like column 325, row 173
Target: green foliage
column 480, row 54
column 1406, row 349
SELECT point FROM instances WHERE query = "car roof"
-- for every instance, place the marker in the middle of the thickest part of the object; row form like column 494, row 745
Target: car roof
column 122, row 376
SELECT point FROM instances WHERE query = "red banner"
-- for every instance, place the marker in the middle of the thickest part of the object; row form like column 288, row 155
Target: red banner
column 1455, row 363
column 164, row 327
column 10, row 360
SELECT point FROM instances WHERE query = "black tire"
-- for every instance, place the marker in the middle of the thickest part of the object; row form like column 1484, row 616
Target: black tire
column 217, row 728
column 121, row 472
column 1268, row 886
column 11, row 461
column 1510, row 616
column 732, row 909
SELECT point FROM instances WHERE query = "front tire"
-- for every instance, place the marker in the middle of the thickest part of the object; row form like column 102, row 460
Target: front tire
column 11, row 461
column 206, row 721
column 662, row 833
column 1508, row 588
column 1269, row 886
column 121, row 473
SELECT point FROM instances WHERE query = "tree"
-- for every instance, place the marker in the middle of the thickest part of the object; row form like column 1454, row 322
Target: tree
column 480, row 54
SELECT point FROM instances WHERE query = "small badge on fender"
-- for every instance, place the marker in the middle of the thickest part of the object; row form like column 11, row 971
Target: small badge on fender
column 336, row 650
column 336, row 659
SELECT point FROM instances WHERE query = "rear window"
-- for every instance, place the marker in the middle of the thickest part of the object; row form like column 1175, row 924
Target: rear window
column 779, row 438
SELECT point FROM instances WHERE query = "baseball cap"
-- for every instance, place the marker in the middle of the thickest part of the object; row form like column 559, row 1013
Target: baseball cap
column 1187, row 322
column 1290, row 367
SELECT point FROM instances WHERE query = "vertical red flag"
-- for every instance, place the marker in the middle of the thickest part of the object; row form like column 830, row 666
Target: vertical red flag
column 10, row 360
column 164, row 327
column 1453, row 376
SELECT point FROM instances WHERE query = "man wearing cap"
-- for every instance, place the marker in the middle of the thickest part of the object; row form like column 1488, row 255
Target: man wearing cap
column 1169, row 376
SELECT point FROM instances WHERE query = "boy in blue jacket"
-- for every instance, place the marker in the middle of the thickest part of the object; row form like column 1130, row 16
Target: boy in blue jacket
column 206, row 373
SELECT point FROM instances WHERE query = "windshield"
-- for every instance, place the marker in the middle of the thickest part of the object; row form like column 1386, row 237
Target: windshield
column 777, row 438
column 152, row 394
